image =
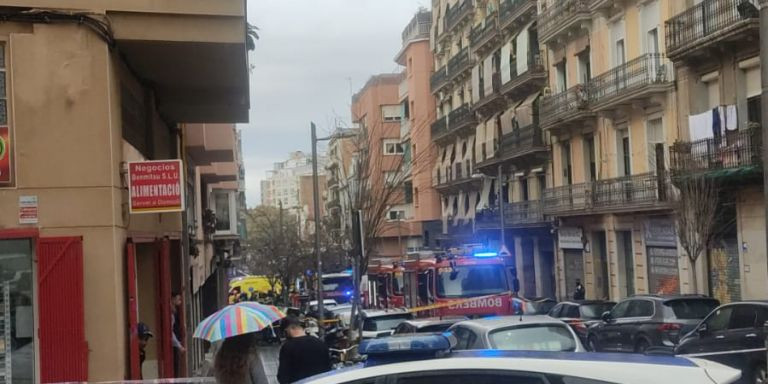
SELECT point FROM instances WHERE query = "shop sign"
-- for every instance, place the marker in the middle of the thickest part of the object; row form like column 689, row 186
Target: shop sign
column 570, row 238
column 660, row 232
column 28, row 210
column 156, row 186
column 663, row 272
column 5, row 155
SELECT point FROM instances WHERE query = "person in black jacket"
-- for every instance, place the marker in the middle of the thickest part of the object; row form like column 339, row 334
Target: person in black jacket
column 301, row 356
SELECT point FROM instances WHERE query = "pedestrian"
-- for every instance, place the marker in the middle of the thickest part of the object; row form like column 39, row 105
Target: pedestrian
column 237, row 361
column 176, row 336
column 579, row 293
column 143, row 334
column 301, row 356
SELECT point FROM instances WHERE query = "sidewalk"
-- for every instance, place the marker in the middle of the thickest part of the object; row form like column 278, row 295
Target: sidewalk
column 270, row 357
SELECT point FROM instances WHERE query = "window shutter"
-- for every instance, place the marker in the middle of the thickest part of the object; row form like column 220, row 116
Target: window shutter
column 63, row 348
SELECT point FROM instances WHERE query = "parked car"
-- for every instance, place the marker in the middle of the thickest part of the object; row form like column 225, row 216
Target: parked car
column 383, row 322
column 344, row 313
column 433, row 325
column 516, row 333
column 532, row 306
column 581, row 315
column 644, row 321
column 733, row 335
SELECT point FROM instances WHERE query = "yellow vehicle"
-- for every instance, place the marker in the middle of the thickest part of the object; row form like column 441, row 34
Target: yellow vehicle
column 250, row 285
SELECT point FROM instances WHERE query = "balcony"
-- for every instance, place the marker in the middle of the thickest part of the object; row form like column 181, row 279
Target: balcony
column 524, row 147
column 737, row 154
column 461, row 121
column 622, row 194
column 482, row 37
column 459, row 64
column 522, row 84
column 438, row 80
column 458, row 14
column 634, row 82
column 709, row 24
column 566, row 108
column 563, row 19
column 405, row 129
column 456, row 177
column 514, row 14
column 516, row 215
column 492, row 100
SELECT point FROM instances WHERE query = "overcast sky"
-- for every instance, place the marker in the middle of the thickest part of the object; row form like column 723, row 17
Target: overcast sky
column 312, row 55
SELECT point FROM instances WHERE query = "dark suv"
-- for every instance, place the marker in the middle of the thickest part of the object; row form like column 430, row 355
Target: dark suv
column 732, row 335
column 640, row 322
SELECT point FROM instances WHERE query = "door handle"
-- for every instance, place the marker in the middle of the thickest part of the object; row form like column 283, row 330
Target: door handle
column 750, row 335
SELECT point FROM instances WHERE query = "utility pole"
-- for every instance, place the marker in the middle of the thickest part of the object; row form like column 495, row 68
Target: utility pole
column 316, row 201
column 764, row 98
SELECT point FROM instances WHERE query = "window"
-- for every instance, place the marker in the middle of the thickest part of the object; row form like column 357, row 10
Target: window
column 712, row 83
column 589, row 158
column 223, row 204
column 620, row 310
column 553, row 338
column 405, row 107
column 463, row 336
column 619, row 53
column 396, row 214
column 408, row 192
column 524, row 189
column 585, row 66
column 623, row 152
column 391, row 112
column 17, row 293
column 640, row 308
column 655, row 133
column 555, row 312
column 653, row 41
column 561, row 77
column 594, row 311
column 743, row 317
column 471, row 281
column 719, row 320
column 391, row 177
column 754, row 110
column 393, row 147
column 572, row 311
column 690, row 309
column 565, row 154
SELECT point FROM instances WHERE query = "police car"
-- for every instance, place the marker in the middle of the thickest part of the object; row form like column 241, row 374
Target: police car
column 427, row 359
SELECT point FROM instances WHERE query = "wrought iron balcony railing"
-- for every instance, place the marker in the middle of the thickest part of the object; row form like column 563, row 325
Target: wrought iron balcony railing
column 481, row 35
column 459, row 63
column 522, row 83
column 630, row 78
column 521, row 141
column 560, row 107
column 562, row 15
column 632, row 192
column 708, row 22
column 519, row 214
column 457, row 13
column 510, row 10
column 460, row 118
column 440, row 126
column 741, row 149
column 438, row 80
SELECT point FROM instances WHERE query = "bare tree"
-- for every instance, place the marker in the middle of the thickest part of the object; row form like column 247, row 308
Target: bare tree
column 376, row 183
column 696, row 207
column 279, row 252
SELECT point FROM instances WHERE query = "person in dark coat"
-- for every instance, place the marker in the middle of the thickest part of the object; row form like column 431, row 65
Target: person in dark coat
column 301, row 356
column 579, row 293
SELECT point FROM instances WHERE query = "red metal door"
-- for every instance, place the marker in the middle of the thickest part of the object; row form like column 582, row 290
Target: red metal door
column 63, row 348
column 133, row 311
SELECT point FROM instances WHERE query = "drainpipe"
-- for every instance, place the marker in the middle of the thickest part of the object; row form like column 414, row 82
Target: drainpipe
column 764, row 99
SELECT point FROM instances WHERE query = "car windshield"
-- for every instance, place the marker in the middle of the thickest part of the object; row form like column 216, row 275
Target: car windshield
column 343, row 284
column 385, row 323
column 692, row 309
column 541, row 307
column 434, row 328
column 543, row 337
column 471, row 281
column 594, row 311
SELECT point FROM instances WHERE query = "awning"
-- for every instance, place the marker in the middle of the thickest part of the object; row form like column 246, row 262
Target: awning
column 476, row 83
column 462, row 200
column 485, row 194
column 524, row 112
column 506, row 52
column 488, row 75
column 473, row 197
column 491, row 133
column 479, row 140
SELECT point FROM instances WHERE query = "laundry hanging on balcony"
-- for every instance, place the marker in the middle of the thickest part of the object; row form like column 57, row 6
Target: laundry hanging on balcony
column 713, row 123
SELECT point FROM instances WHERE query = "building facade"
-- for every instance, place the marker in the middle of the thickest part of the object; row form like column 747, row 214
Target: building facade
column 493, row 155
column 117, row 82
column 418, row 113
column 342, row 149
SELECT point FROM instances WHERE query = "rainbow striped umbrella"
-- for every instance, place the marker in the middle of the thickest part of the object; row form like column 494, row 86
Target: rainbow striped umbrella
column 237, row 319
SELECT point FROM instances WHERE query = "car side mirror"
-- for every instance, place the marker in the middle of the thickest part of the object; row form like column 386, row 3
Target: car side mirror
column 702, row 329
column 607, row 317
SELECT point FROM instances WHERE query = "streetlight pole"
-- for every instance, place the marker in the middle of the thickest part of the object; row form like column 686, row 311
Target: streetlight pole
column 316, row 201
column 499, row 191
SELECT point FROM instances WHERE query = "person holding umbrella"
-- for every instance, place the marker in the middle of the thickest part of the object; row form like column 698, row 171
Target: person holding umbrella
column 237, row 361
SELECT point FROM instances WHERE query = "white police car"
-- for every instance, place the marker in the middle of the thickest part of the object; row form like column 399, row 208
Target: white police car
column 427, row 359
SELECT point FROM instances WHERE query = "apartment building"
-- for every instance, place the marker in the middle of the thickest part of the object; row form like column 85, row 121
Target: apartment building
column 289, row 185
column 715, row 47
column 418, row 113
column 376, row 110
column 493, row 154
column 106, row 84
column 342, row 148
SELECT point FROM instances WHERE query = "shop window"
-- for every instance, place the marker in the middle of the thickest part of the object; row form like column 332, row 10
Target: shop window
column 16, row 312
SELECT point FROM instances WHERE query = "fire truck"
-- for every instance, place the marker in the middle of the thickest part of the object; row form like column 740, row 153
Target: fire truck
column 436, row 279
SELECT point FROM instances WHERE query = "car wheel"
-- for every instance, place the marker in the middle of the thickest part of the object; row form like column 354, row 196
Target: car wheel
column 641, row 346
column 592, row 343
column 759, row 374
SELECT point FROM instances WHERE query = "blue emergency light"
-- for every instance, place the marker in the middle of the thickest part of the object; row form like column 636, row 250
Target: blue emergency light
column 348, row 293
column 486, row 254
column 406, row 344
